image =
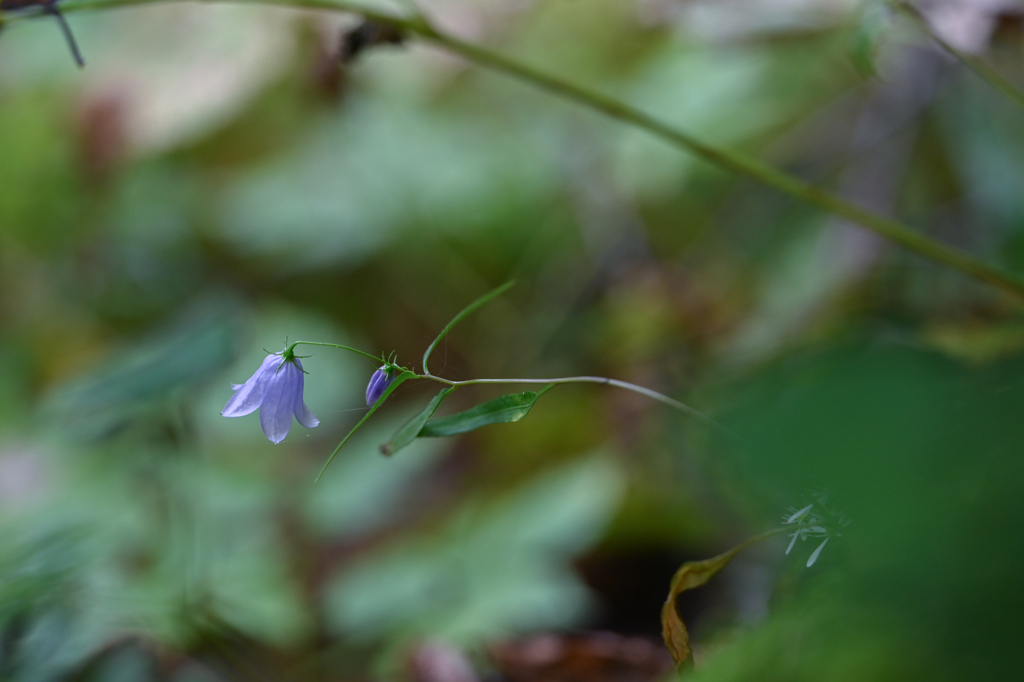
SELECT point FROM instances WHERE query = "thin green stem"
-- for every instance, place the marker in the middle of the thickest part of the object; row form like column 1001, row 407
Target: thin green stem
column 468, row 310
column 733, row 161
column 399, row 380
column 979, row 67
column 291, row 348
column 671, row 402
column 742, row 164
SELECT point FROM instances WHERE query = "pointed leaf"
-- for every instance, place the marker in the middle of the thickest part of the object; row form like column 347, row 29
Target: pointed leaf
column 380, row 401
column 507, row 408
column 412, row 428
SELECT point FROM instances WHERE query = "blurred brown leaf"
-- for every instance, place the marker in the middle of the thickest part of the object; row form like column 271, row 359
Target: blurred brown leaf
column 690, row 575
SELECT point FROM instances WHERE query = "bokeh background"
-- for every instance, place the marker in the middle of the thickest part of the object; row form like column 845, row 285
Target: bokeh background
column 214, row 183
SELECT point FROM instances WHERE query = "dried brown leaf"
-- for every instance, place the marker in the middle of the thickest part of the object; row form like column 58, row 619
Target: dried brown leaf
column 690, row 575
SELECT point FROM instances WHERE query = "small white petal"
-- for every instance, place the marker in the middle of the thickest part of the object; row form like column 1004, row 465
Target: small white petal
column 814, row 555
column 800, row 514
column 249, row 396
column 792, row 542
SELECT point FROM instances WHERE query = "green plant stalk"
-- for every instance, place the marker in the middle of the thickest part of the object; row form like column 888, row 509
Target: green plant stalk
column 291, row 348
column 472, row 307
column 399, row 380
column 403, row 437
column 408, row 374
column 979, row 67
column 733, row 161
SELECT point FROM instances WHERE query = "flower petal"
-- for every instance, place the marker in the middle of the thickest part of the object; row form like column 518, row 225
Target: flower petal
column 302, row 413
column 249, row 396
column 792, row 542
column 379, row 383
column 284, row 389
column 815, row 553
column 305, row 417
column 800, row 514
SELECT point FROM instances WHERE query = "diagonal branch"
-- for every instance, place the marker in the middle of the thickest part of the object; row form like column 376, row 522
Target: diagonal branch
column 736, row 162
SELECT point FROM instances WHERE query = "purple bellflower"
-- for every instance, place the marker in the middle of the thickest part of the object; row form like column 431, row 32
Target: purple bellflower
column 276, row 390
column 379, row 383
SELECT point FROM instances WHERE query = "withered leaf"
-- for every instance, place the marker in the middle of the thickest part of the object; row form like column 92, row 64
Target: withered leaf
column 690, row 575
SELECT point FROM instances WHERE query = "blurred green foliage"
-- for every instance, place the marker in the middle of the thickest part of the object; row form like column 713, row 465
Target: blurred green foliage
column 214, row 184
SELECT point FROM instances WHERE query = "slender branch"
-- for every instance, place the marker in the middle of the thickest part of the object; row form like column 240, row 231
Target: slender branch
column 979, row 67
column 292, row 346
column 742, row 164
column 736, row 162
column 469, row 309
column 671, row 402
column 654, row 395
column 399, row 380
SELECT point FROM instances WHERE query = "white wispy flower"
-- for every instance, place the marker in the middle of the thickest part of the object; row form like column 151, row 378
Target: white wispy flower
column 816, row 520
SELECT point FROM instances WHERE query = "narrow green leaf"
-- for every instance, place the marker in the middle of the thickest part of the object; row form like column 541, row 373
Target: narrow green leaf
column 507, row 408
column 380, row 401
column 412, row 428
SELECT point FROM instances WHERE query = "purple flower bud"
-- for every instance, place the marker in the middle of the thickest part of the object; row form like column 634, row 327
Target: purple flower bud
column 379, row 383
column 276, row 390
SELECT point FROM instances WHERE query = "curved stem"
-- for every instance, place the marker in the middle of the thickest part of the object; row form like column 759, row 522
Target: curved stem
column 979, row 67
column 472, row 307
column 291, row 348
column 741, row 164
column 733, row 161
column 671, row 402
column 654, row 395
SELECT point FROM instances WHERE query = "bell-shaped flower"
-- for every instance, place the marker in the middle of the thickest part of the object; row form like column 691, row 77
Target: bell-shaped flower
column 276, row 390
column 379, row 383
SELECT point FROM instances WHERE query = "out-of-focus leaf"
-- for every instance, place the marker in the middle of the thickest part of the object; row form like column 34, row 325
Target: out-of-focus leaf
column 873, row 21
column 364, row 493
column 41, row 598
column 40, row 202
column 492, row 569
column 924, row 453
column 507, row 408
column 976, row 343
column 37, row 571
column 412, row 428
column 318, row 205
column 146, row 377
